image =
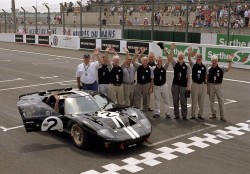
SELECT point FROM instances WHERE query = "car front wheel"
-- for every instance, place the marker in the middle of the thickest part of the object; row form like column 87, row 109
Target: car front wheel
column 79, row 137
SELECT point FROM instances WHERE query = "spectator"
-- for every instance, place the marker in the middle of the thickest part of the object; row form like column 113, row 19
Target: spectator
column 214, row 86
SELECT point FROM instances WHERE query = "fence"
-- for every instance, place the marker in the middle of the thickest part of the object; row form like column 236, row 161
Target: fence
column 130, row 16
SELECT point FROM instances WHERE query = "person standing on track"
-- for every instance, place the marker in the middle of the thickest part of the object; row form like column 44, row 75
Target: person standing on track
column 160, row 86
column 86, row 73
column 116, row 78
column 144, row 85
column 128, row 79
column 214, row 85
column 198, row 87
column 103, row 76
column 181, row 83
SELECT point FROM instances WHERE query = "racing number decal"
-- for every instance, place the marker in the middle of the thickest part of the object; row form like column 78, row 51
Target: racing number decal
column 107, row 114
column 52, row 123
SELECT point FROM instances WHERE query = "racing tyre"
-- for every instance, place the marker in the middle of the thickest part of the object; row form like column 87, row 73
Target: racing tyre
column 79, row 137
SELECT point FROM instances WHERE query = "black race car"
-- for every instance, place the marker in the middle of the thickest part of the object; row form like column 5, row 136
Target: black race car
column 85, row 115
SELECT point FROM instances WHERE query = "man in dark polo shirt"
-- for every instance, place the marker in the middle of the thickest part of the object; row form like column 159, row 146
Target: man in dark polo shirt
column 198, row 87
column 144, row 85
column 103, row 76
column 116, row 81
column 214, row 86
column 181, row 83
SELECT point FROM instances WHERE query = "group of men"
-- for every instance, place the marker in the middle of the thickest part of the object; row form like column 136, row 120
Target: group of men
column 132, row 82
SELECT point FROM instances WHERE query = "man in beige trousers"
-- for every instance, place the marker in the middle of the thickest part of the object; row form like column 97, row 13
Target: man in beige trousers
column 198, row 87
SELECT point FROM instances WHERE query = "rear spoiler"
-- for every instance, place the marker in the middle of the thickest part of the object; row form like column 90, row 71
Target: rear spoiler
column 42, row 93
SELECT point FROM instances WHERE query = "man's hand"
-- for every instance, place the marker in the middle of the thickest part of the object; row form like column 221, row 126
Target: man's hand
column 190, row 50
column 172, row 46
column 96, row 51
column 137, row 51
column 125, row 50
column 230, row 57
column 143, row 49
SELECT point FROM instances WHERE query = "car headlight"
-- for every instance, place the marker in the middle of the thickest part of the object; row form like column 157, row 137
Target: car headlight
column 146, row 123
column 105, row 133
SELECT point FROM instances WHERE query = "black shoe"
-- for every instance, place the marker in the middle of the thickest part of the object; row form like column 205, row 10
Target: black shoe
column 223, row 119
column 185, row 118
column 156, row 115
column 201, row 118
column 193, row 117
column 149, row 109
column 168, row 116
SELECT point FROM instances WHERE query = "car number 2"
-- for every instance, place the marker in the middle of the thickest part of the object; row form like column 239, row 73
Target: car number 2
column 52, row 123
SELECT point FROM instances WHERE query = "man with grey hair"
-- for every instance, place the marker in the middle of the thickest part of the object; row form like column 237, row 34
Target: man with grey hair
column 128, row 79
column 199, row 75
column 116, row 79
column 161, row 92
column 144, row 85
column 181, row 83
column 214, row 86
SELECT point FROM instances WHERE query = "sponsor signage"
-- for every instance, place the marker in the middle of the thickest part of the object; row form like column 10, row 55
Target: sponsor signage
column 234, row 40
column 87, row 43
column 131, row 46
column 114, row 43
column 183, row 49
column 43, row 40
column 30, row 39
column 241, row 56
column 19, row 38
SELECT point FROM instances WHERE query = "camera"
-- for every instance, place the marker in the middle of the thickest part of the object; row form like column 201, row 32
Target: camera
column 161, row 45
column 187, row 94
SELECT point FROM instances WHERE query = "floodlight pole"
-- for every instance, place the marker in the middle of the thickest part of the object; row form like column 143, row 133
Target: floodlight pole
column 5, row 21
column 187, row 25
column 63, row 17
column 14, row 13
column 36, row 18
column 228, row 20
column 80, row 4
column 48, row 18
column 24, row 18
column 152, row 20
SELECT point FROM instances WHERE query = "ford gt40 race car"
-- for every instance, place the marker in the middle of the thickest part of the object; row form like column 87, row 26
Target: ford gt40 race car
column 85, row 115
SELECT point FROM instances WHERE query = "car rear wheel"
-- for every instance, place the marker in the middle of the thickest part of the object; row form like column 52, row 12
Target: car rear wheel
column 79, row 137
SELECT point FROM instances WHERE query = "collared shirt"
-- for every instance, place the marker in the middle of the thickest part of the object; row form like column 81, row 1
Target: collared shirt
column 87, row 73
column 128, row 73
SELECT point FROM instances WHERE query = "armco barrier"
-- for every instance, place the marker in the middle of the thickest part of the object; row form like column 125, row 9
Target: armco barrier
column 7, row 37
column 241, row 54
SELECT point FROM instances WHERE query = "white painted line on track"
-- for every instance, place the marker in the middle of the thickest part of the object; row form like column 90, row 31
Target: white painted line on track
column 54, row 59
column 180, row 136
column 229, row 101
column 51, row 77
column 11, row 128
column 68, row 83
column 18, row 79
column 49, row 63
column 51, row 55
column 240, row 81
column 5, row 60
column 44, row 84
column 188, row 105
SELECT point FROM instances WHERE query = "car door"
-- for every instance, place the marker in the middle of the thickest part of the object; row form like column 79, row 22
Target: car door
column 38, row 116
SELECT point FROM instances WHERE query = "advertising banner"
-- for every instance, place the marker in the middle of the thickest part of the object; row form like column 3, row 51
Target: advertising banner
column 43, row 40
column 31, row 39
column 87, row 43
column 241, row 56
column 132, row 44
column 114, row 43
column 62, row 41
column 183, row 49
column 19, row 38
column 234, row 40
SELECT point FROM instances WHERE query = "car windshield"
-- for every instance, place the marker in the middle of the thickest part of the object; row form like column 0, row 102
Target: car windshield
column 86, row 104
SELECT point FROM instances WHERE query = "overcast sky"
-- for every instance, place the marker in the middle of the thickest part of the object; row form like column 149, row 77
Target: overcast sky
column 6, row 4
